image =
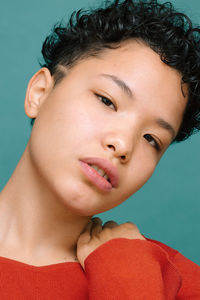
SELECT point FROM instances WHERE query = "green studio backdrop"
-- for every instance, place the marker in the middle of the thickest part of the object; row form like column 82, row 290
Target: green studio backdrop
column 167, row 208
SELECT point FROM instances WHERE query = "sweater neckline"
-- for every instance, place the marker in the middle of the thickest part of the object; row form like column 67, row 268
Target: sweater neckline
column 24, row 265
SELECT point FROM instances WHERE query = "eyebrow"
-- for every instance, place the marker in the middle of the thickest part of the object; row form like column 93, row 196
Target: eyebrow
column 126, row 89
column 120, row 83
column 165, row 125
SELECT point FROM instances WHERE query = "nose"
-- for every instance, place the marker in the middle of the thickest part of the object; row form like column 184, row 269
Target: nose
column 120, row 145
column 121, row 137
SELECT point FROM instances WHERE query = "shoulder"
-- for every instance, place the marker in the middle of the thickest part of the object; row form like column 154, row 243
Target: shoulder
column 188, row 270
column 170, row 251
column 182, row 263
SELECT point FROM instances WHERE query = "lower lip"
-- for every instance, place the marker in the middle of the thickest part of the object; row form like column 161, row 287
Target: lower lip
column 95, row 178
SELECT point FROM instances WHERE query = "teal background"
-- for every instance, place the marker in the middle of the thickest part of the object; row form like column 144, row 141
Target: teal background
column 167, row 208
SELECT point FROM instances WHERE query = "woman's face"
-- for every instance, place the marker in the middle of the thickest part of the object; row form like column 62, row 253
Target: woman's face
column 92, row 113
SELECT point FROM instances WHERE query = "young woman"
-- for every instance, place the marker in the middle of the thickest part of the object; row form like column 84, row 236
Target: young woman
column 118, row 86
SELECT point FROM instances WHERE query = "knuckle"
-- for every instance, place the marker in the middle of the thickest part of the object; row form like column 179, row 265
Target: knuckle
column 130, row 225
column 111, row 222
column 107, row 229
column 96, row 220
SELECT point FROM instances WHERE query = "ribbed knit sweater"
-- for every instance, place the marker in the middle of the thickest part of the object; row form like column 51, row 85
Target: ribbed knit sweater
column 120, row 269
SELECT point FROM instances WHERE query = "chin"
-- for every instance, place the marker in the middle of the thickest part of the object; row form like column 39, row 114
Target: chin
column 78, row 198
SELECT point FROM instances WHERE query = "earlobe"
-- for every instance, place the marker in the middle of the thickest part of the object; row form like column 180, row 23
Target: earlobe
column 38, row 89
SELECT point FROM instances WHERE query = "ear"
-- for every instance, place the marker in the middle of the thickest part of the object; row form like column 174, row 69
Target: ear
column 38, row 89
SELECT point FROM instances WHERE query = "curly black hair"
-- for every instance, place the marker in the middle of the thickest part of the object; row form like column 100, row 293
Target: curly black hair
column 169, row 33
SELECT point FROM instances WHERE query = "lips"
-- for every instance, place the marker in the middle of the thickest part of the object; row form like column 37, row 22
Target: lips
column 105, row 165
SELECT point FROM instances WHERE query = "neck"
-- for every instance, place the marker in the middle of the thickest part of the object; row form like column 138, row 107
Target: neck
column 33, row 220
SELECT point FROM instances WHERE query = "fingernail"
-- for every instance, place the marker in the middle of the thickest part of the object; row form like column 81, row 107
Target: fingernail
column 96, row 219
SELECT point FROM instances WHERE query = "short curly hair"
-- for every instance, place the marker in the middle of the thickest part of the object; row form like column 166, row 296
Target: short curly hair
column 169, row 33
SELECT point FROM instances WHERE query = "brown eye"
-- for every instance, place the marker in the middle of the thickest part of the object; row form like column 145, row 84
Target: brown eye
column 152, row 141
column 106, row 101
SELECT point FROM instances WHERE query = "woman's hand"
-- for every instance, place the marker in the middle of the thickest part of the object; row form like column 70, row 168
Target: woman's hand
column 95, row 234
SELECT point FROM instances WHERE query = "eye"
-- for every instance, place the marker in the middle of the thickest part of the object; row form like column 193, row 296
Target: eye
column 106, row 101
column 152, row 141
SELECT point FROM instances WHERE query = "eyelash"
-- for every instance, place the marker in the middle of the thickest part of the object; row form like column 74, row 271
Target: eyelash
column 102, row 97
column 147, row 136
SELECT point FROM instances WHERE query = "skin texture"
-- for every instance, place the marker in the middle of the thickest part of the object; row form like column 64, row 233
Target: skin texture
column 48, row 200
column 95, row 234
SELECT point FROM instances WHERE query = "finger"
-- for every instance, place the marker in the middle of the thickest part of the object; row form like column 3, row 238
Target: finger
column 85, row 235
column 96, row 219
column 110, row 224
column 96, row 227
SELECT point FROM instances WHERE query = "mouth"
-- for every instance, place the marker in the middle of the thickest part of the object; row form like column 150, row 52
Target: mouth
column 100, row 172
column 94, row 177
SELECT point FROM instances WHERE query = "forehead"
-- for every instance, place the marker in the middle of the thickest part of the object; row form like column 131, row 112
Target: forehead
column 135, row 61
column 154, row 85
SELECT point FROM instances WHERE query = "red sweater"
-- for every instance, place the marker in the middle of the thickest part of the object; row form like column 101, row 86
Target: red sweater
column 120, row 269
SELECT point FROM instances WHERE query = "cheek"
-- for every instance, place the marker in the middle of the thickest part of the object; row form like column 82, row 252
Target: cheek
column 133, row 181
column 62, row 133
column 140, row 170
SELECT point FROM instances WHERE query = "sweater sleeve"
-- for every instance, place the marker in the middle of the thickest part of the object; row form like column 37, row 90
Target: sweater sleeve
column 190, row 273
column 131, row 269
